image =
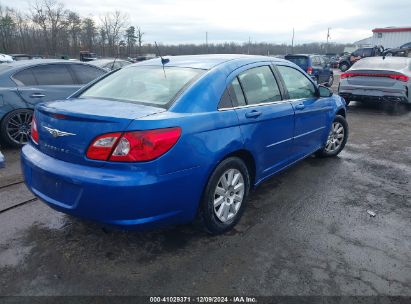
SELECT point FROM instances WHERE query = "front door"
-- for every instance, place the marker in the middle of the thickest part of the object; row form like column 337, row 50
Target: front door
column 311, row 112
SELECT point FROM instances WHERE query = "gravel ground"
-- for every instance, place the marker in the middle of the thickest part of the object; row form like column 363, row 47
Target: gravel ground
column 306, row 231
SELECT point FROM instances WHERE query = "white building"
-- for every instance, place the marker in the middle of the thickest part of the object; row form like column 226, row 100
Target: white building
column 388, row 37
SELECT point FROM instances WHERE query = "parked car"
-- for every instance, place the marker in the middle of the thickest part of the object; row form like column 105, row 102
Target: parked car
column 110, row 64
column 18, row 57
column 377, row 79
column 156, row 144
column 2, row 161
column 348, row 60
column 402, row 51
column 332, row 59
column 23, row 84
column 5, row 58
column 315, row 66
column 87, row 56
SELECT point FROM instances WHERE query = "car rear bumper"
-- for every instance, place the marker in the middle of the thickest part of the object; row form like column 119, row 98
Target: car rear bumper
column 116, row 197
column 371, row 98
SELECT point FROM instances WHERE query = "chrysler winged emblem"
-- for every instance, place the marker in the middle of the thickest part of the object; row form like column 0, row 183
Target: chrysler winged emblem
column 57, row 133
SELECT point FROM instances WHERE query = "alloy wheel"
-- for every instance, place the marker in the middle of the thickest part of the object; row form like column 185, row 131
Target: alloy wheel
column 229, row 195
column 335, row 137
column 18, row 127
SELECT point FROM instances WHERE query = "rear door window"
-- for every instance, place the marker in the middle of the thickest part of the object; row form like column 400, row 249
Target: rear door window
column 85, row 73
column 259, row 85
column 297, row 84
column 25, row 78
column 367, row 53
column 53, row 74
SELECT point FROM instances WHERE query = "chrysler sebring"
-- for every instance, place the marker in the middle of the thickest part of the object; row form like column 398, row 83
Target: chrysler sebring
column 178, row 140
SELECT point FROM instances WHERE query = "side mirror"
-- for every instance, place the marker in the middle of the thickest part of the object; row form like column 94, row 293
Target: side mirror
column 324, row 91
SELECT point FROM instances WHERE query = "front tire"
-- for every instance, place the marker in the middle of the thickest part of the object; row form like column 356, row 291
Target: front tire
column 224, row 197
column 15, row 127
column 337, row 138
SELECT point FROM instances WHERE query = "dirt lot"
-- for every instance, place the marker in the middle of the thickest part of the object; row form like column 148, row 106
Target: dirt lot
column 305, row 232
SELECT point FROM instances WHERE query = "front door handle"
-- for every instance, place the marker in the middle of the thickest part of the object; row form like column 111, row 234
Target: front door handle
column 253, row 114
column 37, row 95
column 300, row 106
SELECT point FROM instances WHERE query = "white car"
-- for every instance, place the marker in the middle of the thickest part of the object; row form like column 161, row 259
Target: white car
column 5, row 58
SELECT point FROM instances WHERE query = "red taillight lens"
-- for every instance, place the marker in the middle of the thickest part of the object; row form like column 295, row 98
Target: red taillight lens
column 102, row 146
column 309, row 70
column 34, row 131
column 399, row 77
column 134, row 146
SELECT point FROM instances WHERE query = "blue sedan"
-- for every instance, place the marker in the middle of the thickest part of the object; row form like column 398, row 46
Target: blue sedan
column 181, row 139
column 23, row 84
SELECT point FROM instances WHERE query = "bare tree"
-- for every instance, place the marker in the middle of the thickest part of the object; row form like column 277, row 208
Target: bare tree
column 113, row 23
column 140, row 35
column 88, row 33
column 73, row 24
column 51, row 17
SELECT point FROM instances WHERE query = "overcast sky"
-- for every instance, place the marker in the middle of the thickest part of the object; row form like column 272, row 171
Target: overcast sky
column 175, row 21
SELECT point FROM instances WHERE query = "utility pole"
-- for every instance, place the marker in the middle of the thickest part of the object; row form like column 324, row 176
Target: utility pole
column 249, row 44
column 207, row 42
column 328, row 37
column 292, row 43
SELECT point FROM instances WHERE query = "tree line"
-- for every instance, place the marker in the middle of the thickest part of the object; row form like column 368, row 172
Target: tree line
column 49, row 29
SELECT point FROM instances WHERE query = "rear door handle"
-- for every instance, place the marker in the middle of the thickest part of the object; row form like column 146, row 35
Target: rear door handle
column 300, row 106
column 253, row 114
column 37, row 95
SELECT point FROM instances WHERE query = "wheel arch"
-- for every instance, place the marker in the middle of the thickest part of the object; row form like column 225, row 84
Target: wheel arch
column 247, row 157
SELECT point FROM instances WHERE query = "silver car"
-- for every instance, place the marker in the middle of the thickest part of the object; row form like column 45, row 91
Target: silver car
column 377, row 79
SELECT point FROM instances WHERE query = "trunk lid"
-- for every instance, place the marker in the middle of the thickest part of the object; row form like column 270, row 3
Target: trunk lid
column 369, row 80
column 66, row 128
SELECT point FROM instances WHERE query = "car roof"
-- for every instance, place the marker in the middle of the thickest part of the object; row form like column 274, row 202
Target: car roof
column 206, row 62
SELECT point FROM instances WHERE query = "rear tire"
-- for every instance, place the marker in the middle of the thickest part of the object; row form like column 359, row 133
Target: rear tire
column 15, row 127
column 389, row 54
column 337, row 138
column 224, row 198
column 344, row 66
column 330, row 81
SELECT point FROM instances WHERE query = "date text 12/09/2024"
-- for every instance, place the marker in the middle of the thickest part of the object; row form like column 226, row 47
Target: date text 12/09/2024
column 201, row 299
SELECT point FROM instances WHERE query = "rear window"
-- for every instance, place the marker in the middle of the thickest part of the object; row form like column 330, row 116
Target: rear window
column 146, row 85
column 298, row 60
column 377, row 63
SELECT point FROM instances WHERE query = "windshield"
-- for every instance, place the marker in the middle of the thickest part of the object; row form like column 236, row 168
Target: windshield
column 144, row 84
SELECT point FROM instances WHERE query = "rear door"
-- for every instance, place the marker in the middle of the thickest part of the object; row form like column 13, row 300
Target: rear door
column 46, row 82
column 311, row 112
column 266, row 121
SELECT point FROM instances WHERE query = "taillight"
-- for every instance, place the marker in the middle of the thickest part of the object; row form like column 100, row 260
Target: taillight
column 309, row 70
column 399, row 77
column 102, row 146
column 34, row 131
column 133, row 146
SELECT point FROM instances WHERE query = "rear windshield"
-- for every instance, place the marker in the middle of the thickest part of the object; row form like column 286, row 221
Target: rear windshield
column 143, row 85
column 377, row 63
column 298, row 60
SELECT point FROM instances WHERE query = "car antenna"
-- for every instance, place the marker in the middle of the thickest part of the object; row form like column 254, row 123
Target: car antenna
column 163, row 60
column 112, row 65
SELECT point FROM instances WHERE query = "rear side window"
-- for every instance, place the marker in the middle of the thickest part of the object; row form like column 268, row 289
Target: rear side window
column 298, row 60
column 25, row 78
column 260, row 85
column 315, row 60
column 53, row 74
column 298, row 86
column 85, row 73
column 236, row 93
column 367, row 53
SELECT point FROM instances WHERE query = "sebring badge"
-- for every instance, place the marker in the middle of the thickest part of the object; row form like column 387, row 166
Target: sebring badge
column 57, row 133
